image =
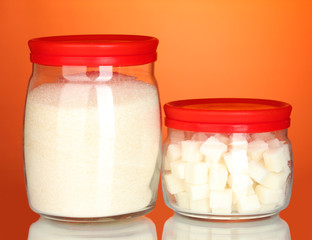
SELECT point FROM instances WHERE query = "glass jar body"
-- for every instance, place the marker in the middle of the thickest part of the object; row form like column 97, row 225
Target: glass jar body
column 92, row 140
column 227, row 175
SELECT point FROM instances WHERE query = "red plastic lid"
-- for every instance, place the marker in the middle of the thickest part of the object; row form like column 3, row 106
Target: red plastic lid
column 228, row 115
column 93, row 50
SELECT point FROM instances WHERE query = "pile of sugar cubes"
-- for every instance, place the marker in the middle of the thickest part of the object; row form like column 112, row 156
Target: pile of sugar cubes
column 234, row 173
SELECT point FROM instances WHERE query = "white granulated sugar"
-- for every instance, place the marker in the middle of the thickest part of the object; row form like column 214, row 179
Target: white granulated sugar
column 91, row 149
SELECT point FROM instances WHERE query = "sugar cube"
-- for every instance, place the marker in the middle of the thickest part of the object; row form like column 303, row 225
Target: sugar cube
column 190, row 151
column 196, row 173
column 257, row 171
column 256, row 149
column 276, row 159
column 213, row 149
column 286, row 149
column 234, row 206
column 174, row 184
column 267, row 207
column 201, row 205
column 248, row 204
column 269, row 196
column 221, row 201
column 197, row 192
column 167, row 165
column 236, row 161
column 240, row 184
column 275, row 180
column 274, row 143
column 173, row 152
column 250, row 190
column 178, row 169
column 218, row 176
column 182, row 200
column 239, row 141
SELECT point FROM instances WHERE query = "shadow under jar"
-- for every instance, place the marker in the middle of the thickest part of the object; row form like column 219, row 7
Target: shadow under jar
column 227, row 158
column 92, row 130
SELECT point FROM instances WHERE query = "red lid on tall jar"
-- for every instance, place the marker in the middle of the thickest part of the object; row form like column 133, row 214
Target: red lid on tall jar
column 93, row 50
column 228, row 115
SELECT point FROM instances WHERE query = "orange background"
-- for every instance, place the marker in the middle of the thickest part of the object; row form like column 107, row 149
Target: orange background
column 230, row 48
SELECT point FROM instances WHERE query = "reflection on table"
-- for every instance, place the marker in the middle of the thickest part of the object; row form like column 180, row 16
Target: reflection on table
column 135, row 229
column 182, row 228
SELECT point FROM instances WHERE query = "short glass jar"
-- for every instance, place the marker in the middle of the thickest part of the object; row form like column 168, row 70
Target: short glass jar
column 227, row 158
column 92, row 132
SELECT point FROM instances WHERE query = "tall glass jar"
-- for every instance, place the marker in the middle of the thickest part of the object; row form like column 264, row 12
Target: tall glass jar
column 92, row 131
column 227, row 158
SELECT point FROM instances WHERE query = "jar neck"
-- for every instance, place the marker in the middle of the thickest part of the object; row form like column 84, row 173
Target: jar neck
column 98, row 73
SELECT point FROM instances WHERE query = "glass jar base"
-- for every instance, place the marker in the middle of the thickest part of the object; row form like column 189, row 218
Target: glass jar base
column 100, row 219
column 232, row 217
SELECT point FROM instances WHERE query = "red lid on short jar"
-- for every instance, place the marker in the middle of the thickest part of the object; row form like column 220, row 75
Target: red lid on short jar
column 228, row 115
column 93, row 50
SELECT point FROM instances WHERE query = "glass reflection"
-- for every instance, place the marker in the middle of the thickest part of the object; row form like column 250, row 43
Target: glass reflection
column 135, row 229
column 183, row 228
